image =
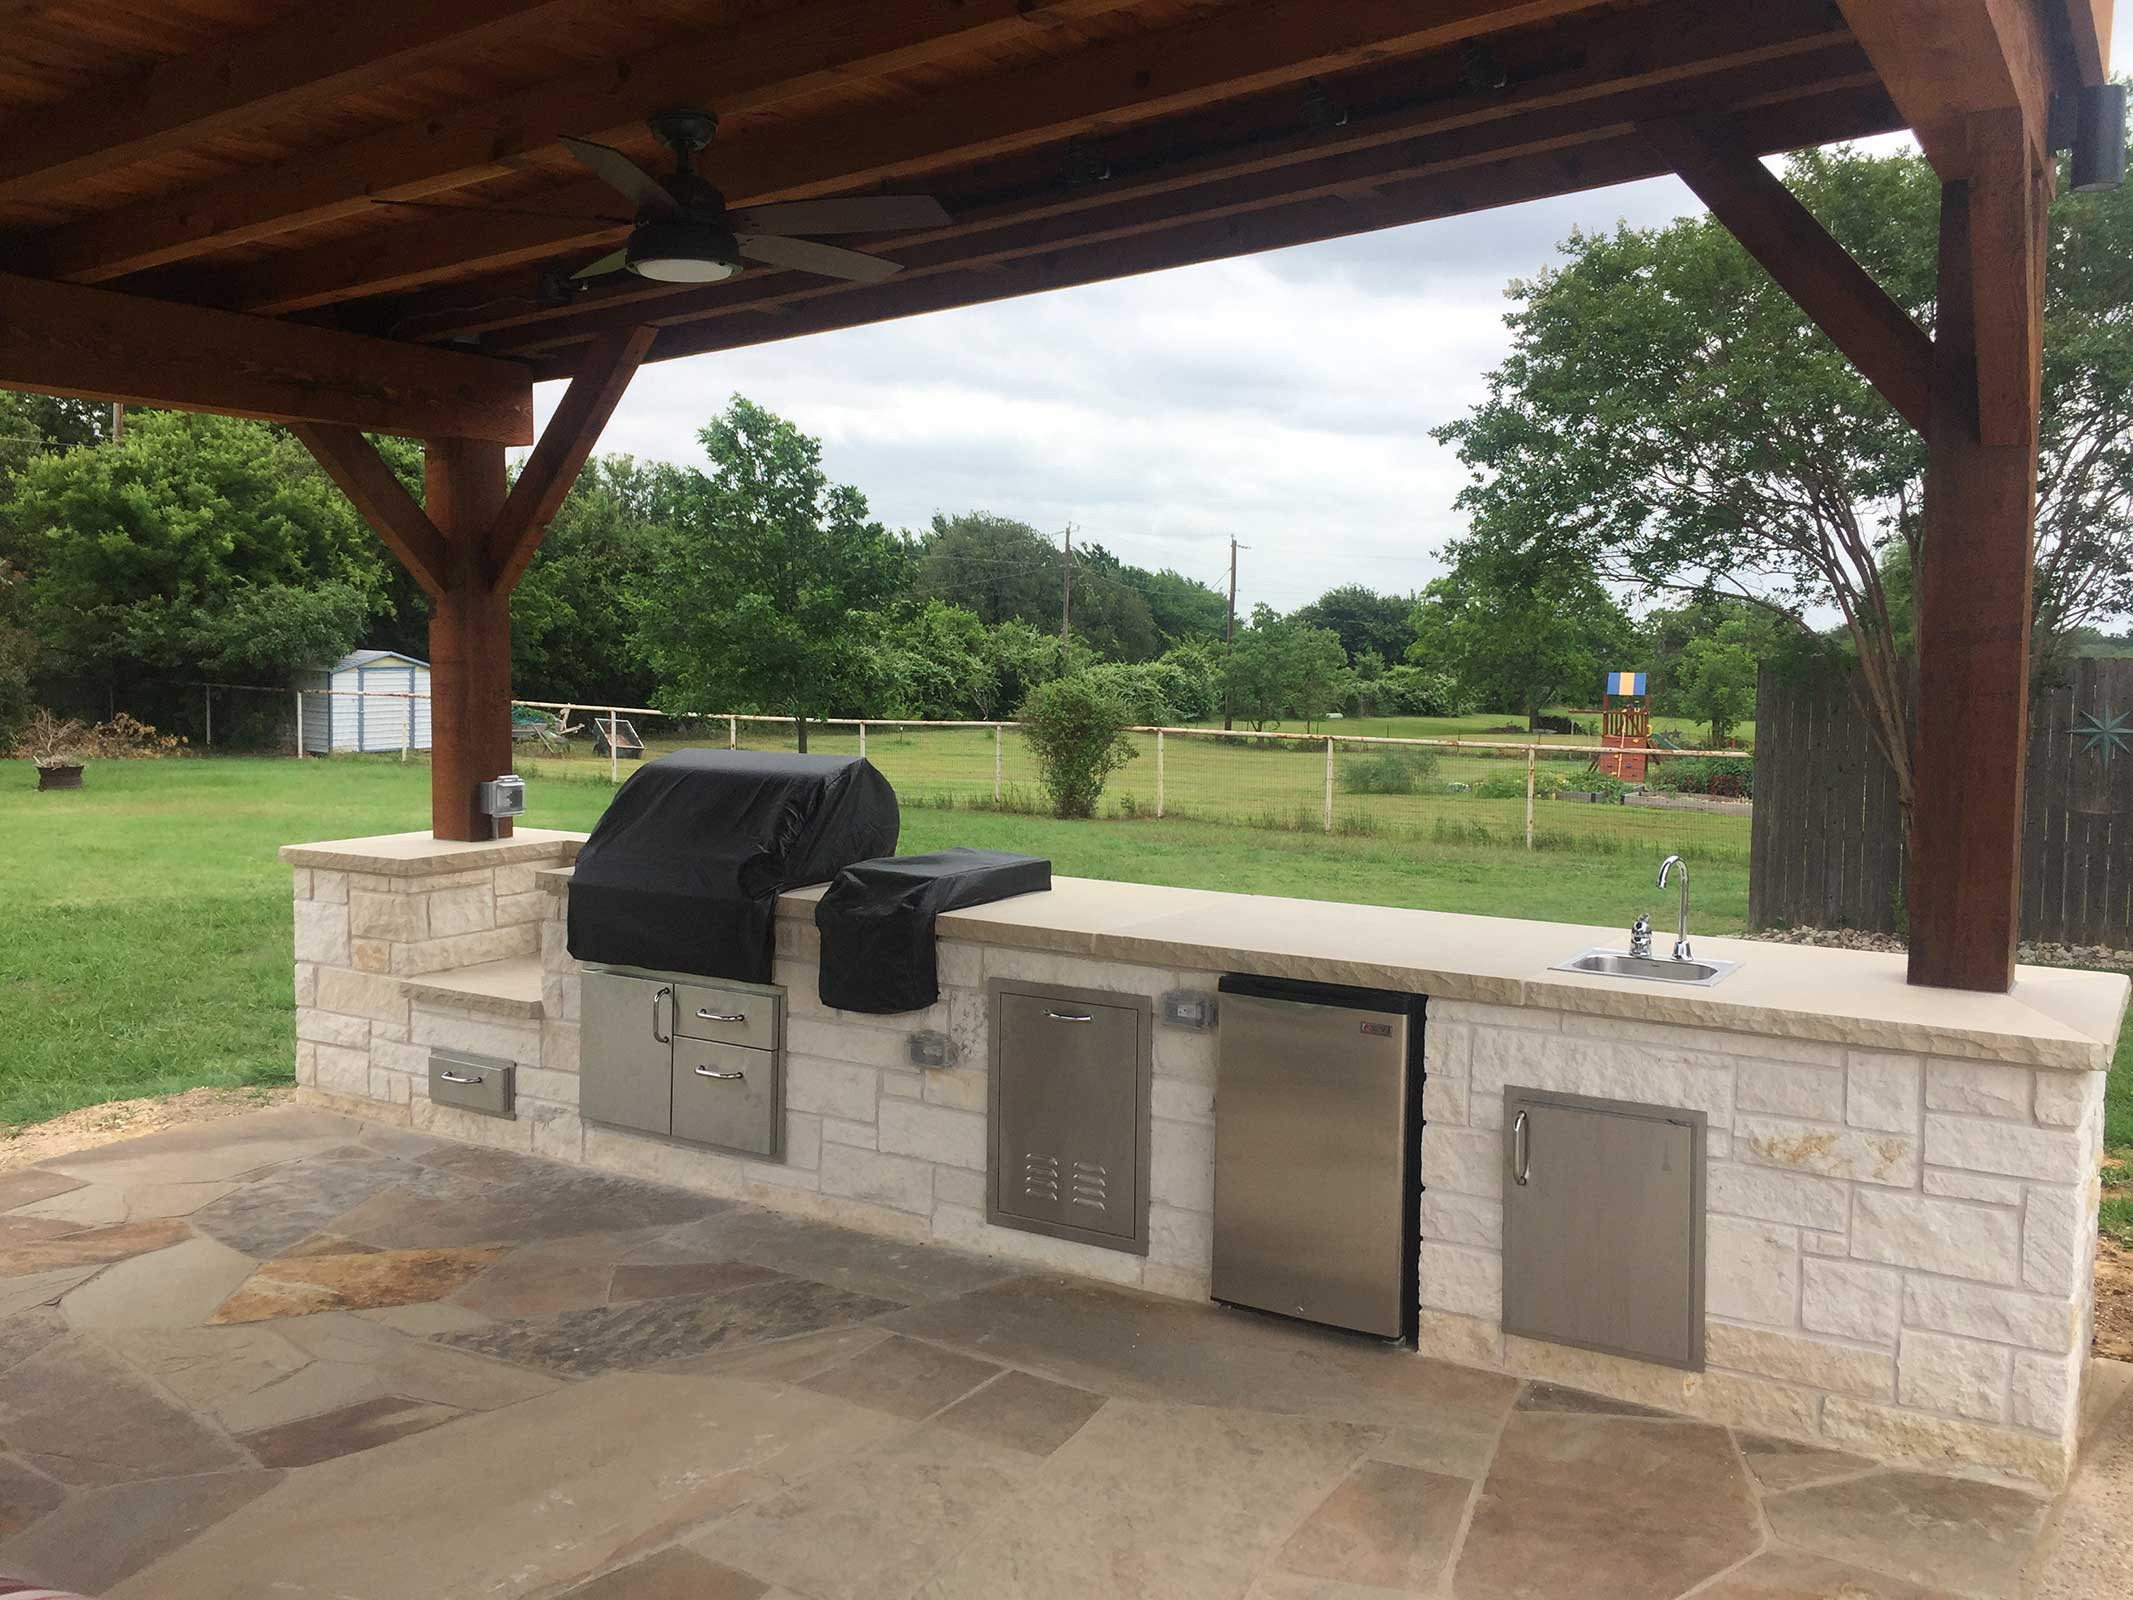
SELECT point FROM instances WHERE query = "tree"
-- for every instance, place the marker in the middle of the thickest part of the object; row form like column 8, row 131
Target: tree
column 757, row 598
column 936, row 664
column 1715, row 678
column 1364, row 619
column 1281, row 667
column 1006, row 571
column 1668, row 415
column 1183, row 608
column 1076, row 728
column 1515, row 631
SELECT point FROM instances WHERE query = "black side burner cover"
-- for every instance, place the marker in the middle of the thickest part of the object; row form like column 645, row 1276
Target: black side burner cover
column 683, row 871
column 877, row 921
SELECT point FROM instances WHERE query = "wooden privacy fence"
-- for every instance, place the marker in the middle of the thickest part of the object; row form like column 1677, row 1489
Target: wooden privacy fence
column 1827, row 846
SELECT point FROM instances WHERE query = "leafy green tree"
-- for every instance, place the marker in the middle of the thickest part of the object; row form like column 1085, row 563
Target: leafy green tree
column 1715, row 678
column 1183, row 608
column 1517, row 632
column 1364, row 619
column 1668, row 416
column 1280, row 667
column 1006, row 571
column 936, row 665
column 758, row 598
column 1076, row 728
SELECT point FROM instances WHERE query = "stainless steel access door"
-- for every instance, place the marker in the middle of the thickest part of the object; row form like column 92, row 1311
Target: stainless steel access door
column 1311, row 1142
column 626, row 1066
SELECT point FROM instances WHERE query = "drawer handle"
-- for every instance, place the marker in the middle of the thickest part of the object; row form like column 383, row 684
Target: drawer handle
column 720, row 1016
column 453, row 1077
column 1521, row 1149
column 1070, row 1016
column 723, row 1077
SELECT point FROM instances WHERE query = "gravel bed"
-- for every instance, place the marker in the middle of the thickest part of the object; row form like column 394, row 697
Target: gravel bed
column 2034, row 953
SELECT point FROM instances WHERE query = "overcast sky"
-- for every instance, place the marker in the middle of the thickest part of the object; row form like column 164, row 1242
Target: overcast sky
column 1285, row 399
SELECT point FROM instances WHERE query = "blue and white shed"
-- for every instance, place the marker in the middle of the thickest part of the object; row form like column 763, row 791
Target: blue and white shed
column 369, row 708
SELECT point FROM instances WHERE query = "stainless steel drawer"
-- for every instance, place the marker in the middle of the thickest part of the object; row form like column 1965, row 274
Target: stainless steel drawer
column 729, row 1096
column 471, row 1082
column 726, row 1015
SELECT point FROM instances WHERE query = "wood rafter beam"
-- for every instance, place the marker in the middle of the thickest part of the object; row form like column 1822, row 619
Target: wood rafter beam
column 1875, row 333
column 397, row 518
column 789, row 51
column 58, row 338
column 239, row 83
column 1070, row 261
column 1031, row 107
column 1942, row 62
column 2089, row 38
column 604, row 372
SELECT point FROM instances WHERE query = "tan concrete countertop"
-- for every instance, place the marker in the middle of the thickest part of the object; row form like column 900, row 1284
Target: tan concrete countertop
column 421, row 855
column 509, row 988
column 2051, row 1018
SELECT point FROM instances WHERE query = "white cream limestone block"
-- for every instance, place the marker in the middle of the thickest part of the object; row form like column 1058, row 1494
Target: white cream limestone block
column 1881, row 1091
column 1462, row 1219
column 1181, row 1165
column 896, row 1181
column 1443, row 1100
column 306, row 1063
column 795, row 939
column 1705, row 1041
column 483, row 1035
column 848, row 1041
column 1818, row 1363
column 1852, row 1301
column 1752, row 1271
column 1506, row 1057
column 562, row 995
column 1181, row 1238
column 1182, row 1100
column 1177, row 1283
column 557, row 1132
column 322, row 932
column 300, row 880
column 1477, row 1341
column 1979, row 1145
column 394, row 1088
column 1978, row 1089
column 556, row 958
column 539, row 1083
column 931, row 1133
column 395, row 1055
column 1944, row 1236
column 1790, row 1089
column 1973, row 1186
column 521, row 908
column 2046, row 1392
column 832, row 1088
column 400, row 918
column 968, row 1230
column 1477, row 1011
column 1942, row 1444
column 1884, row 1158
column 1447, row 1047
column 657, row 1161
column 1462, row 1161
column 1739, row 1398
column 457, row 911
column 759, row 1177
column 361, row 994
column 1938, row 1372
column 903, row 1083
column 1183, row 1055
column 423, row 883
column 449, row 1122
column 559, row 1046
column 952, row 1186
column 969, row 1029
column 371, row 955
column 803, row 1140
column 1773, row 1196
column 958, row 1088
column 959, row 965
column 2058, row 1239
column 329, row 885
column 1469, row 1282
column 1115, row 977
column 1977, row 1312
column 862, row 1135
column 306, row 983
column 391, row 1031
column 2066, row 1099
column 1815, row 1243
column 332, row 1027
column 465, row 949
column 518, row 877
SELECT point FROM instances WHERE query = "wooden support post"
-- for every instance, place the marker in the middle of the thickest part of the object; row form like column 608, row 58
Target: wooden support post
column 470, row 638
column 1974, row 587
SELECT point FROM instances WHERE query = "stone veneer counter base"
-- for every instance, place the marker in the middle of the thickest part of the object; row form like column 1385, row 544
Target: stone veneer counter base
column 1902, row 1182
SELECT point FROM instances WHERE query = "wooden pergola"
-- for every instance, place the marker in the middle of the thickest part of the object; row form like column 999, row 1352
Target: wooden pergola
column 361, row 219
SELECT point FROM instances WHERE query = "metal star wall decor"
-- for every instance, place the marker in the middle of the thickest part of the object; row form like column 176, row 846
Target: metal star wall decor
column 2104, row 732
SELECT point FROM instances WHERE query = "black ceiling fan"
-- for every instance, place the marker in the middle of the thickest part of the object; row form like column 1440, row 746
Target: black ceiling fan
column 684, row 234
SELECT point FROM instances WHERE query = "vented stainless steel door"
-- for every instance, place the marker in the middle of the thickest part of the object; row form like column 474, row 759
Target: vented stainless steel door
column 626, row 1069
column 1311, row 1144
column 1069, row 1118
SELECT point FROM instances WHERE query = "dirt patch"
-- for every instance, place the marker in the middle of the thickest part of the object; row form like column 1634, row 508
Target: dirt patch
column 129, row 1119
column 2114, row 1300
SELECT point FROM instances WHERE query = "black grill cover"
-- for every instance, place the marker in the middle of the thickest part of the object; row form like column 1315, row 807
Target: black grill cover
column 684, row 870
column 877, row 921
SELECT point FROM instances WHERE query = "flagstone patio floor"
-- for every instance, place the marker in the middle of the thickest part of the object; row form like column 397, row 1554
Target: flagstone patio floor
column 293, row 1355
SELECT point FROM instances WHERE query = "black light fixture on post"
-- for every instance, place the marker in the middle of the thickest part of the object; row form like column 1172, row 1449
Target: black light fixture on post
column 2100, row 138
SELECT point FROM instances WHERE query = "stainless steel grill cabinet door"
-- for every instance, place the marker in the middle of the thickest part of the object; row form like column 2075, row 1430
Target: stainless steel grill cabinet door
column 1603, row 1235
column 727, row 1095
column 1315, row 1134
column 626, row 1065
column 1069, row 1132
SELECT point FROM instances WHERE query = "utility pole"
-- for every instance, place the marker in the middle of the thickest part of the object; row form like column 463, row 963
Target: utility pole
column 118, row 421
column 1066, row 596
column 1229, row 631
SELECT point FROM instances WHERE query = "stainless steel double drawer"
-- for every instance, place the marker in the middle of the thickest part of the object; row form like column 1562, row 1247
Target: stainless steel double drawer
column 684, row 1057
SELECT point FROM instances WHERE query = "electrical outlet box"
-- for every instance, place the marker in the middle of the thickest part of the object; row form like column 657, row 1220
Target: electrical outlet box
column 932, row 1048
column 1187, row 1008
column 502, row 797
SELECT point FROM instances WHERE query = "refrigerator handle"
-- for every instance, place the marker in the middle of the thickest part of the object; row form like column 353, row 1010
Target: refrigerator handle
column 1521, row 1149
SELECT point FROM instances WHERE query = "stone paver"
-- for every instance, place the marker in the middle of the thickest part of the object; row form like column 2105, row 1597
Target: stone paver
column 296, row 1355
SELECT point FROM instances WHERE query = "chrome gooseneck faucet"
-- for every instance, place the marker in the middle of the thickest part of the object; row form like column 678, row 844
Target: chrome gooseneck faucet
column 1681, row 926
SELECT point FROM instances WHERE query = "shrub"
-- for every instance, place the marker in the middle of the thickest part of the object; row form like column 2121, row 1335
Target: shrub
column 1728, row 776
column 1512, row 785
column 1410, row 691
column 1076, row 729
column 51, row 741
column 1388, row 769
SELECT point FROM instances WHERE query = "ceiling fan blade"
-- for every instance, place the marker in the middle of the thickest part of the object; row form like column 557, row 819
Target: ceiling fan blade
column 601, row 268
column 866, row 213
column 618, row 171
column 775, row 250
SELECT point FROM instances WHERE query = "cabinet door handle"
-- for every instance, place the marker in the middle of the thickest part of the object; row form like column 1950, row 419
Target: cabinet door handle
column 1521, row 1149
column 720, row 1016
column 663, row 992
column 453, row 1077
column 1070, row 1016
column 723, row 1077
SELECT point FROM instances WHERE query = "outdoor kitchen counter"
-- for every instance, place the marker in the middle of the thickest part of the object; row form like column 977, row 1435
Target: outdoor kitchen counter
column 2052, row 1017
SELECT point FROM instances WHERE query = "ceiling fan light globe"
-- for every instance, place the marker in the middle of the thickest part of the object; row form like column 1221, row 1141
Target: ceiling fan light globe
column 668, row 252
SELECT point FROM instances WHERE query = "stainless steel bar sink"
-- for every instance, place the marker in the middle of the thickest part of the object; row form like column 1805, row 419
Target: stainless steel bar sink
column 1622, row 964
